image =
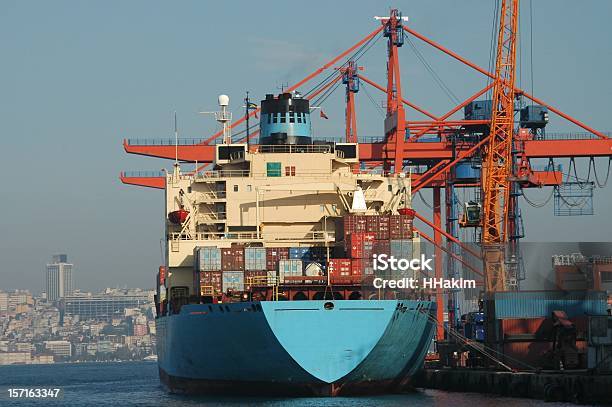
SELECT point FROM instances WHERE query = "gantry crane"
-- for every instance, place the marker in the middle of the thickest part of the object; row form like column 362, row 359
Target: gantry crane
column 449, row 146
column 497, row 160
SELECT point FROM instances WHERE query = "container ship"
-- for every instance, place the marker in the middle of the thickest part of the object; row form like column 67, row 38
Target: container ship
column 268, row 282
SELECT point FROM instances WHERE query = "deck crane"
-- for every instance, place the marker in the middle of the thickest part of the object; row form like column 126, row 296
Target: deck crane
column 497, row 161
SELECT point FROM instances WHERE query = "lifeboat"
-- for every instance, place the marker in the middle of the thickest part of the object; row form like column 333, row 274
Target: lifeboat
column 178, row 217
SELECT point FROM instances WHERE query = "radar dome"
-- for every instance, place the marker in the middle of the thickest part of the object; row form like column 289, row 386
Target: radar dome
column 223, row 100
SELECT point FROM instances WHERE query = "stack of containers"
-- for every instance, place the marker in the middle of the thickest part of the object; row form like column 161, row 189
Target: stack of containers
column 339, row 271
column 255, row 263
column 232, row 265
column 354, row 223
column 273, row 255
column 402, row 249
column 378, row 224
column 290, row 268
column 521, row 326
column 207, row 263
column 360, row 247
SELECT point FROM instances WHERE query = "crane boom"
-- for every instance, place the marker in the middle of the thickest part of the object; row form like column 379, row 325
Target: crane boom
column 497, row 163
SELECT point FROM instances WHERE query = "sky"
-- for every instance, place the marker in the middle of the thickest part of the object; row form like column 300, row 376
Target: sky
column 77, row 77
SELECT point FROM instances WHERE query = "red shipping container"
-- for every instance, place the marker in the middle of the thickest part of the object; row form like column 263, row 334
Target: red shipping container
column 232, row 258
column 162, row 275
column 400, row 227
column 360, row 267
column 360, row 245
column 378, row 224
column 273, row 255
column 354, row 223
column 339, row 271
column 211, row 279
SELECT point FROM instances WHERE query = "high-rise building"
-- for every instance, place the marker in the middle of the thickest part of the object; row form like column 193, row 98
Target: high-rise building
column 59, row 278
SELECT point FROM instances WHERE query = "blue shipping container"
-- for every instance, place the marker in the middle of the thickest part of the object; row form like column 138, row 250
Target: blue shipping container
column 255, row 258
column 233, row 280
column 207, row 258
column 539, row 304
column 300, row 253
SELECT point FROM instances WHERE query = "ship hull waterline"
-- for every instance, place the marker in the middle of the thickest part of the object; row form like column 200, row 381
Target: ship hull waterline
column 298, row 348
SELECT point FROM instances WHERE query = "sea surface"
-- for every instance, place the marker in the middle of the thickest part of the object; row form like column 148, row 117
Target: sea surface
column 137, row 384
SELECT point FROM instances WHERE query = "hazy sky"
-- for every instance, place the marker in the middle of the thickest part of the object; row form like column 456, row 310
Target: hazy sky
column 77, row 77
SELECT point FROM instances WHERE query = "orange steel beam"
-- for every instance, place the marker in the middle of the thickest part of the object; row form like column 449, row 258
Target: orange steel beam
column 448, row 236
column 414, row 151
column 492, row 76
column 149, row 182
column 303, row 81
column 405, row 101
column 453, row 255
column 437, row 218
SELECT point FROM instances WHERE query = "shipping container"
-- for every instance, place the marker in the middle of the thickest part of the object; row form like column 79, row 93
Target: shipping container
column 536, row 304
column 360, row 245
column 211, row 279
column 353, row 224
column 290, row 268
column 307, row 253
column 400, row 227
column 273, row 255
column 382, row 247
column 528, row 355
column 362, row 267
column 233, row 280
column 255, row 258
column 207, row 258
column 379, row 225
column 341, row 272
column 401, row 249
column 232, row 258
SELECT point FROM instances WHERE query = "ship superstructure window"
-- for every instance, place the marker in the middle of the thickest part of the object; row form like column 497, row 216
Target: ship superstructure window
column 299, row 118
column 273, row 169
column 390, row 188
column 274, row 118
column 235, row 188
column 291, row 117
column 290, row 171
column 270, row 119
column 249, row 188
column 283, row 118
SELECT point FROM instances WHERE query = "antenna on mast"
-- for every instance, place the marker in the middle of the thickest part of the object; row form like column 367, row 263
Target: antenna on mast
column 175, row 140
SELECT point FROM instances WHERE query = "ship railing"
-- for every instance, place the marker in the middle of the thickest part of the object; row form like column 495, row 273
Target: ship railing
column 212, row 195
column 164, row 141
column 221, row 174
column 295, row 148
column 310, row 236
column 262, row 281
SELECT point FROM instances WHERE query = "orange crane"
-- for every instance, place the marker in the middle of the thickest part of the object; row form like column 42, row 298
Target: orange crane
column 497, row 160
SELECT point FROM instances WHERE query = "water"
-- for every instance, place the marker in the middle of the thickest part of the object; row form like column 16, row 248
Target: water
column 137, row 384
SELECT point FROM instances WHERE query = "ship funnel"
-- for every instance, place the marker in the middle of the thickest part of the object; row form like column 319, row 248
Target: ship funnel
column 359, row 203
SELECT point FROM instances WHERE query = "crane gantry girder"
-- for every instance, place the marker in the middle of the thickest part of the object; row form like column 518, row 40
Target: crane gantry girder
column 561, row 148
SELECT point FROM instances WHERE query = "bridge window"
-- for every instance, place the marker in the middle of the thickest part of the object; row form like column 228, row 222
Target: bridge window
column 299, row 118
column 274, row 118
column 291, row 117
column 283, row 118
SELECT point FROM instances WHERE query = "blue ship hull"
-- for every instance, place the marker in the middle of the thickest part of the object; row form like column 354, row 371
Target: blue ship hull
column 294, row 347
